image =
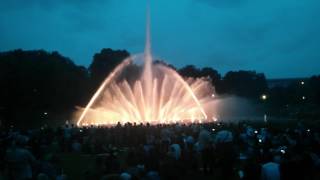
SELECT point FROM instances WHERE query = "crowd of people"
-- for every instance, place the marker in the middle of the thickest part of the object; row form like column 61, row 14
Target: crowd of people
column 134, row 151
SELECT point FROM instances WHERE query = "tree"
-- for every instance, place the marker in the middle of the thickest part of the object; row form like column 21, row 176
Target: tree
column 190, row 71
column 103, row 63
column 314, row 83
column 164, row 64
column 38, row 85
column 244, row 83
column 213, row 74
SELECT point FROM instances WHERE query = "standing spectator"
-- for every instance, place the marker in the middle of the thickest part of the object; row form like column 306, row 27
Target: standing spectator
column 19, row 160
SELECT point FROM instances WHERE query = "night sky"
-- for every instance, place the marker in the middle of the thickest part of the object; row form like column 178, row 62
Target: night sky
column 278, row 37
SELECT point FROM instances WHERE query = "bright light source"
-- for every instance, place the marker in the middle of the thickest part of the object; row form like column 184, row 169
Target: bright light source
column 159, row 95
column 214, row 119
column 264, row 97
column 308, row 130
column 302, row 82
column 256, row 132
column 213, row 129
column 303, row 97
column 45, row 113
column 260, row 140
column 282, row 151
column 212, row 95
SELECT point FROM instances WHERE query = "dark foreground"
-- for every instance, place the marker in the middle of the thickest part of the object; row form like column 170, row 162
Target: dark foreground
column 206, row 151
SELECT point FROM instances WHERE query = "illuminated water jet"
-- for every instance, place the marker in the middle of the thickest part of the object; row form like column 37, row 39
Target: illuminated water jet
column 149, row 93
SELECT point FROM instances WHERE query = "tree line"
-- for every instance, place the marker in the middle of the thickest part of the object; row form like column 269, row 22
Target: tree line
column 40, row 86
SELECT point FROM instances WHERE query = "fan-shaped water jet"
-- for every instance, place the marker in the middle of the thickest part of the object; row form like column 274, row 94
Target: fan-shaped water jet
column 157, row 94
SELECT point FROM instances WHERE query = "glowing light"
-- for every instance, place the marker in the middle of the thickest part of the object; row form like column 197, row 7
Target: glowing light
column 260, row 140
column 256, row 132
column 282, row 151
column 157, row 94
column 265, row 118
column 303, row 97
column 302, row 82
column 212, row 95
column 264, row 97
column 45, row 113
column 213, row 129
column 214, row 119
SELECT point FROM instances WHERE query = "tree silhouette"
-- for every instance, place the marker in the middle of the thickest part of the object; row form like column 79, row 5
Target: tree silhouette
column 39, row 87
column 38, row 84
column 192, row 71
column 212, row 73
column 103, row 63
column 314, row 83
column 244, row 83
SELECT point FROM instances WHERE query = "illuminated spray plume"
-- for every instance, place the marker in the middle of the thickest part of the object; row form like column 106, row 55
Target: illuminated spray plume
column 148, row 93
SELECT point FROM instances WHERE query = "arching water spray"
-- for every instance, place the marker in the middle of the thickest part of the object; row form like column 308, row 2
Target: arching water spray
column 158, row 95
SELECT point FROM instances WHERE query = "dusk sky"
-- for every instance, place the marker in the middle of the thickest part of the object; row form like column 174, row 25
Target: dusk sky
column 277, row 37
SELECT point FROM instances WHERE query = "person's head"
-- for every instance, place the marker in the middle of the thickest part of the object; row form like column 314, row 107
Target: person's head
column 42, row 176
column 62, row 177
column 268, row 157
column 13, row 143
column 277, row 159
column 125, row 176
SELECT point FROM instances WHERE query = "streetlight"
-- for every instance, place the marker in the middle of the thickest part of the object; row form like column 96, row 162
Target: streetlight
column 264, row 97
column 265, row 118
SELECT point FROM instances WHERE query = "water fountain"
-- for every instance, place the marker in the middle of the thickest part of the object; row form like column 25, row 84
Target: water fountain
column 147, row 93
